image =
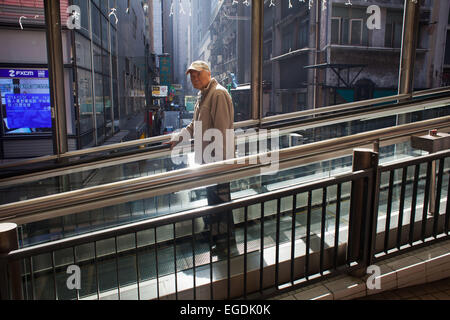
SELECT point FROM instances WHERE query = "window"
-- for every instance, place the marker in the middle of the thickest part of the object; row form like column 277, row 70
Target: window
column 336, row 30
column 287, row 39
column 127, row 66
column 99, row 106
column 303, row 35
column 83, row 50
column 267, row 52
column 304, row 80
column 447, row 50
column 84, row 15
column 134, row 24
column 356, row 31
column 107, row 99
column 394, row 35
column 85, row 100
column 394, row 29
column 105, row 36
column 96, row 24
column 301, row 101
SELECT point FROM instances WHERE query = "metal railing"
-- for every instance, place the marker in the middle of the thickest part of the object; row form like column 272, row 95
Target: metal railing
column 287, row 238
column 343, row 118
column 173, row 181
column 421, row 181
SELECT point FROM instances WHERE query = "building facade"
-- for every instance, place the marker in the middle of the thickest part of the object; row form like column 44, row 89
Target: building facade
column 320, row 53
column 326, row 52
column 108, row 72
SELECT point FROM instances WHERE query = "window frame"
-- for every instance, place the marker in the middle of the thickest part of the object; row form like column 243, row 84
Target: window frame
column 339, row 19
column 350, row 26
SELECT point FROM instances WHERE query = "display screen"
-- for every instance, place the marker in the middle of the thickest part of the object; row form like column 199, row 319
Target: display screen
column 25, row 97
column 28, row 111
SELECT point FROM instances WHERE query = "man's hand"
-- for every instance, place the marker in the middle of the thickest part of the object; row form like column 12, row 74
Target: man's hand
column 172, row 144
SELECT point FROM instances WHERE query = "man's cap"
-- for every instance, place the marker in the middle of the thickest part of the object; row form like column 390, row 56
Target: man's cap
column 198, row 66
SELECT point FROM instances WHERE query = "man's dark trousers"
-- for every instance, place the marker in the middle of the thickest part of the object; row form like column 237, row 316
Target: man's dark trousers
column 218, row 222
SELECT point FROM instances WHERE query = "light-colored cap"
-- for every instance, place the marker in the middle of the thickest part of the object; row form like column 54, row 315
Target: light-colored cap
column 198, row 66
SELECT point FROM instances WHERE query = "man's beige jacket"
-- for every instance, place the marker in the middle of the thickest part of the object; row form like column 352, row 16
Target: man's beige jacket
column 214, row 108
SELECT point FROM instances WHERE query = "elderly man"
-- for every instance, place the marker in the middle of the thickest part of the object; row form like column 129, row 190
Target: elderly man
column 213, row 111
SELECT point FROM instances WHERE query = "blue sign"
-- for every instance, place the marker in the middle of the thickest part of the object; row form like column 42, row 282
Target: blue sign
column 23, row 74
column 165, row 71
column 28, row 111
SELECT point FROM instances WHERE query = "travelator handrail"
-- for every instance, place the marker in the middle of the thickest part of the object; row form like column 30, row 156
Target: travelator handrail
column 284, row 128
column 139, row 188
column 238, row 125
column 362, row 115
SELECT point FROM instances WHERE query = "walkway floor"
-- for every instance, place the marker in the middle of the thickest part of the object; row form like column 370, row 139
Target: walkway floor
column 439, row 290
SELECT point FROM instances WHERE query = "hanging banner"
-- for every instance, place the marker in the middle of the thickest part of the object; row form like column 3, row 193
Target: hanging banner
column 165, row 67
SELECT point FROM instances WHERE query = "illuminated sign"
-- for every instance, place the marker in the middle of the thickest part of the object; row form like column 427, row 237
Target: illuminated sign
column 190, row 102
column 22, row 73
column 160, row 91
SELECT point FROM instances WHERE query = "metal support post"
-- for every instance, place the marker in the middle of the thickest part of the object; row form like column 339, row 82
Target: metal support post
column 56, row 75
column 410, row 40
column 257, row 47
column 10, row 283
column 362, row 195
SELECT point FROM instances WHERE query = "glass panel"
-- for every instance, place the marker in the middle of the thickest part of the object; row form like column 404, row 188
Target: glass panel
column 356, row 31
column 432, row 69
column 83, row 49
column 105, row 35
column 43, row 277
column 108, row 104
column 221, row 36
column 336, row 30
column 99, row 106
column 96, row 24
column 84, row 16
column 85, row 100
column 356, row 61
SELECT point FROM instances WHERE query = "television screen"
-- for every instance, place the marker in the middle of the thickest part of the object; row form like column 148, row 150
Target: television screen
column 25, row 101
column 28, row 111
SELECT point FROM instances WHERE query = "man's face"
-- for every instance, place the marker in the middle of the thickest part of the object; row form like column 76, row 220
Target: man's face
column 200, row 79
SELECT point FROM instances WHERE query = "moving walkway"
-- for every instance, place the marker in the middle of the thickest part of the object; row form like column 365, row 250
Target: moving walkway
column 144, row 224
